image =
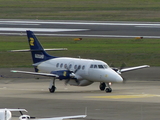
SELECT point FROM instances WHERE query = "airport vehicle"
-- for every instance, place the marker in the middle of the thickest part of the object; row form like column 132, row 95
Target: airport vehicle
column 75, row 71
column 5, row 114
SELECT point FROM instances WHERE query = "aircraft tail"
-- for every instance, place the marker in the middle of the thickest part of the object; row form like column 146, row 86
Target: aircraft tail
column 37, row 51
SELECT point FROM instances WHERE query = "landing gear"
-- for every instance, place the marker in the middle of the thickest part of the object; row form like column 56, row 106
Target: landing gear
column 105, row 87
column 108, row 90
column 102, row 86
column 52, row 87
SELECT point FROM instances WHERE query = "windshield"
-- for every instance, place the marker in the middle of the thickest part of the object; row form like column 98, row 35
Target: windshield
column 99, row 66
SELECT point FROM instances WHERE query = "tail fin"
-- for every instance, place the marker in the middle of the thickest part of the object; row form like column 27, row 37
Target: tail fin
column 37, row 51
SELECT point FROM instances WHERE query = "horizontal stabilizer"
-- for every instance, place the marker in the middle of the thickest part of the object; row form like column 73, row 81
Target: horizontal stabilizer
column 35, row 73
column 28, row 50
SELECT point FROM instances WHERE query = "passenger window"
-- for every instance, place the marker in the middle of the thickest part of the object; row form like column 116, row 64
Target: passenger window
column 95, row 66
column 100, row 66
column 75, row 67
column 57, row 65
column 91, row 66
column 70, row 66
column 61, row 65
column 65, row 66
column 83, row 67
column 79, row 67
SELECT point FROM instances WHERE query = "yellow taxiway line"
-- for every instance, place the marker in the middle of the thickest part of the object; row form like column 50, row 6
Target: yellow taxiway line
column 125, row 96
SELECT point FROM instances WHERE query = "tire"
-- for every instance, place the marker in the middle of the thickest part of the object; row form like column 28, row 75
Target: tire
column 52, row 90
column 102, row 86
column 108, row 90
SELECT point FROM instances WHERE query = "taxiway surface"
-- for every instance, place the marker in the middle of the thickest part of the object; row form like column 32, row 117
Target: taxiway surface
column 136, row 99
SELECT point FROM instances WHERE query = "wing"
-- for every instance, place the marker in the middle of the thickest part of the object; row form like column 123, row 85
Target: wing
column 35, row 73
column 62, row 118
column 134, row 68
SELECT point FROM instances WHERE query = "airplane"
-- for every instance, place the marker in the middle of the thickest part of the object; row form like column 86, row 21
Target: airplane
column 28, row 117
column 5, row 114
column 75, row 71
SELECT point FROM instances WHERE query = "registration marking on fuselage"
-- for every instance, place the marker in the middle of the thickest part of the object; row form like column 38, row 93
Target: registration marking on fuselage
column 124, row 96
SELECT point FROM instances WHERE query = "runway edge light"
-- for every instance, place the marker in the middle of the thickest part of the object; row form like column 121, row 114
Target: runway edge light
column 77, row 39
column 138, row 37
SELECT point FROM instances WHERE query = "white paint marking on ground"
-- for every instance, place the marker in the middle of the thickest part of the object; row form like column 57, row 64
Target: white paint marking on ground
column 17, row 24
column 149, row 26
column 41, row 29
column 83, row 23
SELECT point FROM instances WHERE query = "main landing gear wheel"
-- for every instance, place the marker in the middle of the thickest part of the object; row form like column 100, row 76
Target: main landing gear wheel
column 52, row 89
column 102, row 86
column 108, row 90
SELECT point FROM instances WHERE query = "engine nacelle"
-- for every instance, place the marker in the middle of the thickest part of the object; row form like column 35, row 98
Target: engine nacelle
column 81, row 83
column 63, row 74
column 5, row 114
column 85, row 83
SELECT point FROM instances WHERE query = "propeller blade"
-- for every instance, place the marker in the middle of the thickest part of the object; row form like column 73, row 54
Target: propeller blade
column 123, row 65
column 67, row 81
column 124, row 80
column 77, row 81
column 72, row 75
column 112, row 65
column 77, row 69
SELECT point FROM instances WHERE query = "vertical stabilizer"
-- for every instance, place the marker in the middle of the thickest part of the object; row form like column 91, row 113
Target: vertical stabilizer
column 37, row 51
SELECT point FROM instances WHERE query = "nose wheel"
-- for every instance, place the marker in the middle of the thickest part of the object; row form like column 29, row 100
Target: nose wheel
column 108, row 90
column 105, row 87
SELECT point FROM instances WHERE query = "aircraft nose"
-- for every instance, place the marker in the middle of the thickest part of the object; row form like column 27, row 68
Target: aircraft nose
column 115, row 77
column 119, row 78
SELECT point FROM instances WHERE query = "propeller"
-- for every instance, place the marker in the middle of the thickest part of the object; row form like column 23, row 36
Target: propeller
column 72, row 75
column 118, row 70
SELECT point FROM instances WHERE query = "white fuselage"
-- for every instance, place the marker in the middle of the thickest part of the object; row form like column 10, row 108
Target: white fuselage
column 90, row 70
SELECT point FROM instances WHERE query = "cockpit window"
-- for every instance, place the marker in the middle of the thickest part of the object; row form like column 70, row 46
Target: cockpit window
column 91, row 66
column 101, row 66
column 105, row 66
column 95, row 66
